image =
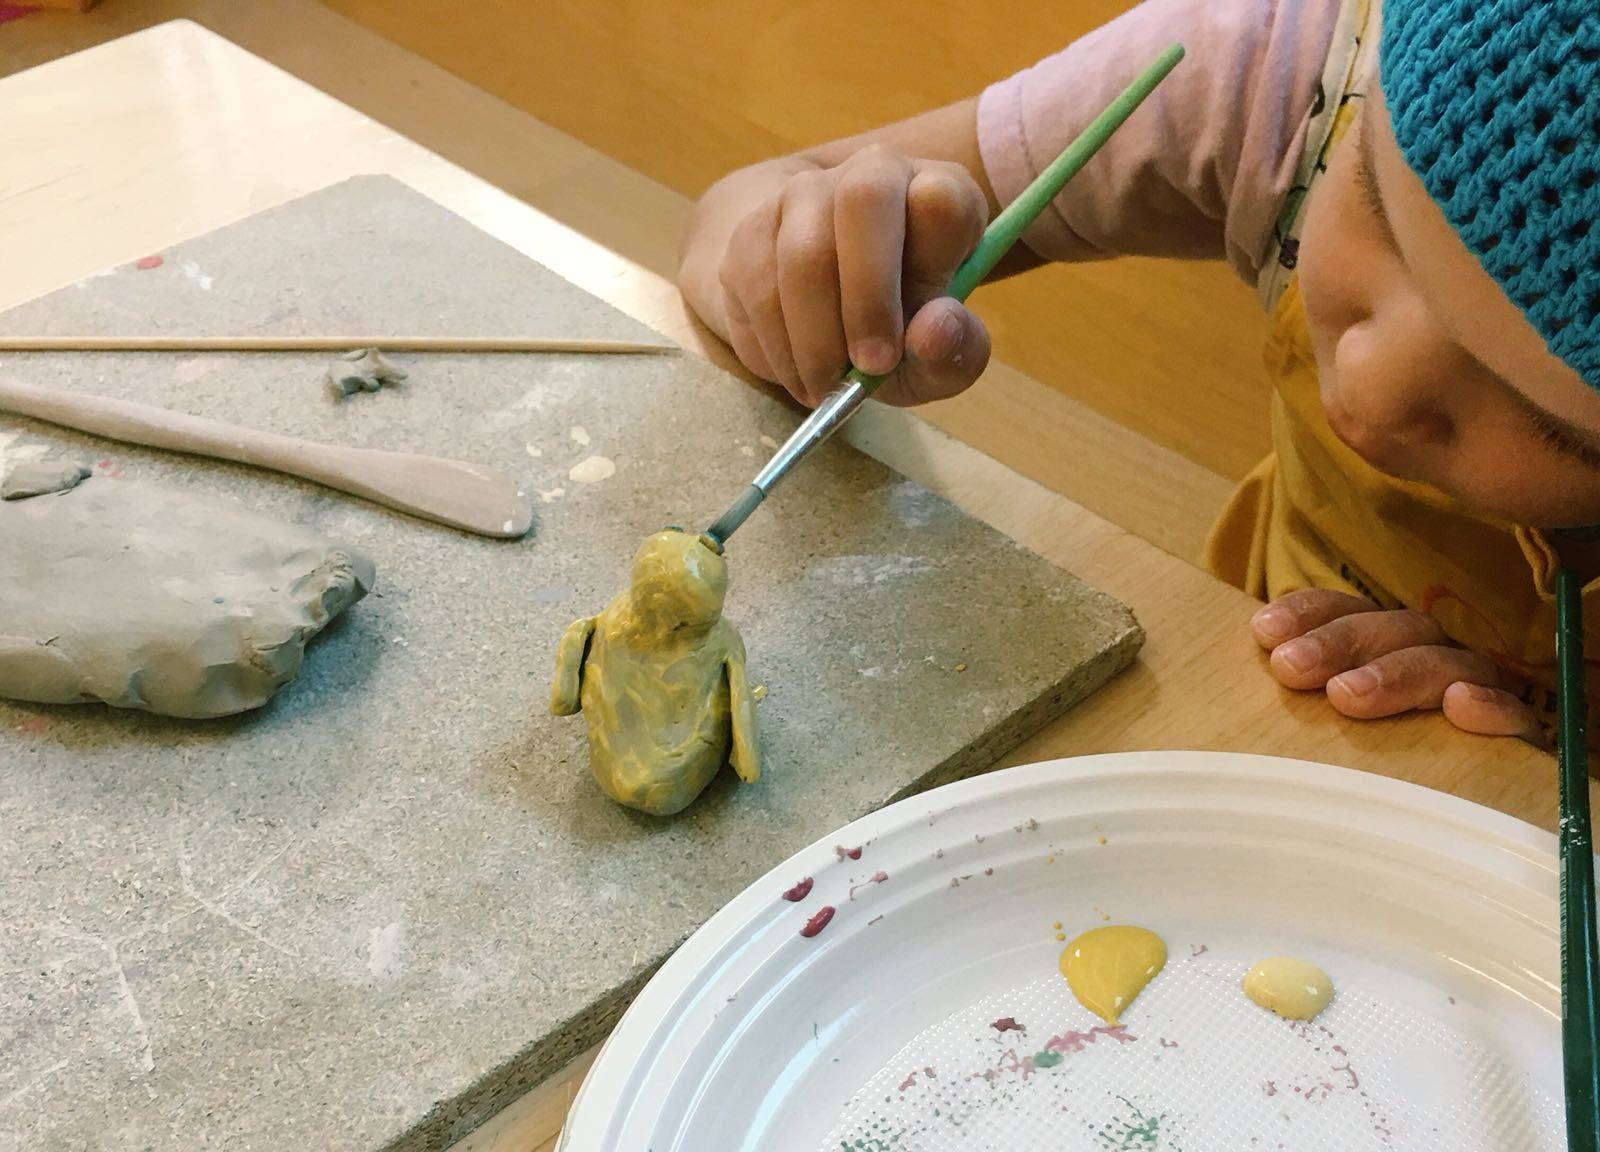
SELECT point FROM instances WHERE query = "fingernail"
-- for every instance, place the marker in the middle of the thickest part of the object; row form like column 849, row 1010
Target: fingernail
column 874, row 357
column 1359, row 681
column 1273, row 622
column 1478, row 694
column 1300, row 655
column 944, row 338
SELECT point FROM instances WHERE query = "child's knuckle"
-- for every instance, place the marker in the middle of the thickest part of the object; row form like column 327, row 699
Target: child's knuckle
column 806, row 188
column 807, row 253
column 867, row 193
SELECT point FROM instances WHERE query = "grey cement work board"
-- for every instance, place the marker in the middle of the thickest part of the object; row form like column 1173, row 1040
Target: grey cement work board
column 377, row 910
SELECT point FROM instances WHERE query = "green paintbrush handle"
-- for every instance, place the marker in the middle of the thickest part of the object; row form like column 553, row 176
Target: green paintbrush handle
column 997, row 240
column 1580, row 961
column 1013, row 220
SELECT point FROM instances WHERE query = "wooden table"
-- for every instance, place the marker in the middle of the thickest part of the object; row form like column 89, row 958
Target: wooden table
column 131, row 146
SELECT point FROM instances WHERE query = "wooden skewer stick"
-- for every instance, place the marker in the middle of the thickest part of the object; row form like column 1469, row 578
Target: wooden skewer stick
column 466, row 496
column 325, row 344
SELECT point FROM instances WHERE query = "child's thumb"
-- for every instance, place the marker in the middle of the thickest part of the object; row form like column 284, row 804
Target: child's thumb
column 947, row 349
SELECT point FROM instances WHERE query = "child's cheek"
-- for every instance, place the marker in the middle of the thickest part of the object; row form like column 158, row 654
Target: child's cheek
column 1505, row 471
column 1340, row 274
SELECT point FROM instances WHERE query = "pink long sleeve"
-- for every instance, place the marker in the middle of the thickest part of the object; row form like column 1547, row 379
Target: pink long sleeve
column 1202, row 169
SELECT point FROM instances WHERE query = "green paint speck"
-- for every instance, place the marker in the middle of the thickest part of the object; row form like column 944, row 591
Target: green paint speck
column 1046, row 1059
column 1134, row 1130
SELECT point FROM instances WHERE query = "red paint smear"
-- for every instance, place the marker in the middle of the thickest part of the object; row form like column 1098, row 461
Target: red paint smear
column 907, row 1082
column 34, row 725
column 1008, row 1024
column 851, row 853
column 876, row 878
column 145, row 263
column 103, row 464
column 1165, row 1043
column 799, row 892
column 1071, row 1042
column 15, row 11
column 818, row 922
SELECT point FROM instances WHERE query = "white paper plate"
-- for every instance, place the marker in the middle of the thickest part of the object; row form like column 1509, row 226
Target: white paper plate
column 1437, row 920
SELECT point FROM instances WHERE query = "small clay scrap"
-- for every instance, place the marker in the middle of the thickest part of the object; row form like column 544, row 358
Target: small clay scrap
column 364, row 370
column 660, row 677
column 41, row 477
column 144, row 596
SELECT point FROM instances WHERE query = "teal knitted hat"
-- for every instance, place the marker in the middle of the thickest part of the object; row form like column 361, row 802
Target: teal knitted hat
column 1496, row 105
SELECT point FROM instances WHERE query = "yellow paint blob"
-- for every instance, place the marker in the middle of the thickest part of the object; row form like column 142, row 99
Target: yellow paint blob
column 1107, row 967
column 1294, row 989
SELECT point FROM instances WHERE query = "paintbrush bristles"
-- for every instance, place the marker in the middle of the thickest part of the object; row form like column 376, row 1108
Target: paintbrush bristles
column 749, row 500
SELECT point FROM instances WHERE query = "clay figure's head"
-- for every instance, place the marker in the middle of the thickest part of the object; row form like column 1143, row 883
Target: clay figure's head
column 678, row 581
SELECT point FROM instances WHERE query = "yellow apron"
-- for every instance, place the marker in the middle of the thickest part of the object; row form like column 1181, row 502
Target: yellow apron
column 1314, row 514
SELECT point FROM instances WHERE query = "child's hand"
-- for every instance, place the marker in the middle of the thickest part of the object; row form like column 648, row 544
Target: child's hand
column 826, row 272
column 1373, row 663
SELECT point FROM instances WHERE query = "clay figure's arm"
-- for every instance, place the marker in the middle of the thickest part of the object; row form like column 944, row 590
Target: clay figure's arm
column 566, row 691
column 745, row 755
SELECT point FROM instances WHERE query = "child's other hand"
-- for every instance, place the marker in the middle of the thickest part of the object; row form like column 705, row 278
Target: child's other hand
column 1373, row 663
column 848, row 265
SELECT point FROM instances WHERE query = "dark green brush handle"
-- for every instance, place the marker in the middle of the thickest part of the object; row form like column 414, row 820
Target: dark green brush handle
column 1580, row 958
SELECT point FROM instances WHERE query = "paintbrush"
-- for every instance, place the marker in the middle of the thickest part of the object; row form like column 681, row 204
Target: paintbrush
column 1580, row 959
column 1002, row 232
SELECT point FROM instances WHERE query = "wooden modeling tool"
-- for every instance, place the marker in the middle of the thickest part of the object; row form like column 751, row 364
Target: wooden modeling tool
column 324, row 344
column 465, row 496
column 1002, row 232
column 1580, row 957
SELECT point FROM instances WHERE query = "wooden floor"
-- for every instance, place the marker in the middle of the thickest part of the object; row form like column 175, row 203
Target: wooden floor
column 682, row 93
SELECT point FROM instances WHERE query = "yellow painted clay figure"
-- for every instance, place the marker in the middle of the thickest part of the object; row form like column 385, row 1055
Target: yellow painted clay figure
column 660, row 677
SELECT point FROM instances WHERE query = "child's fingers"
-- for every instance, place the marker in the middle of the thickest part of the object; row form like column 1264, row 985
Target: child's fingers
column 742, row 338
column 1349, row 642
column 1296, row 613
column 945, row 216
column 808, row 283
column 947, row 349
column 1489, row 711
column 1406, row 680
column 749, row 274
column 869, row 224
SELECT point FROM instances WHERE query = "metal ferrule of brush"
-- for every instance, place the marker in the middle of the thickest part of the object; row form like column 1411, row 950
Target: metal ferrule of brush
column 817, row 427
column 821, row 424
